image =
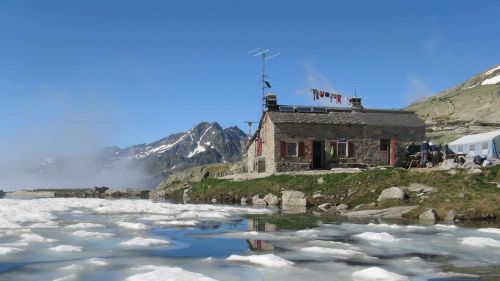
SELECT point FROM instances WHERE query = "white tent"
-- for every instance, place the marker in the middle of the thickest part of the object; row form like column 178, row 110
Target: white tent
column 485, row 144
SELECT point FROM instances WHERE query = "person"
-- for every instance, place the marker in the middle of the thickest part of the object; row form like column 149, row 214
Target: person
column 424, row 150
column 434, row 152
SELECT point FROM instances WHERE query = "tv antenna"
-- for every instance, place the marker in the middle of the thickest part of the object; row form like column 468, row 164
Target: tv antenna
column 266, row 55
column 250, row 123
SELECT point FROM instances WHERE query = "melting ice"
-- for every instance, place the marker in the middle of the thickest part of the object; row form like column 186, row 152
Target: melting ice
column 137, row 240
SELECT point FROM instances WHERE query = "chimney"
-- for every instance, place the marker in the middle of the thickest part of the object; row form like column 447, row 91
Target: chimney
column 271, row 102
column 355, row 103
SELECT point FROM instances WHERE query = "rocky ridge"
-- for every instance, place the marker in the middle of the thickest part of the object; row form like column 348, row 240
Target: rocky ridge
column 468, row 108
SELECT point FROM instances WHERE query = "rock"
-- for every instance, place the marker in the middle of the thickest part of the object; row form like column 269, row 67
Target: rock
column 452, row 172
column 325, row 207
column 244, row 200
column 320, row 181
column 447, row 200
column 460, row 195
column 449, row 164
column 429, row 216
column 213, row 200
column 358, row 206
column 372, row 204
column 317, row 195
column 474, row 171
column 392, row 193
column 271, row 199
column 101, row 189
column 450, row 216
column 418, row 187
column 293, row 198
column 393, row 212
column 259, row 203
column 342, row 207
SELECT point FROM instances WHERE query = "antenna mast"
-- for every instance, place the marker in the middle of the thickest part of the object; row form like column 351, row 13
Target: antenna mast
column 265, row 54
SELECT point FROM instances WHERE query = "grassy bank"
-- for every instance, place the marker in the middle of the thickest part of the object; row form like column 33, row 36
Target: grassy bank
column 471, row 196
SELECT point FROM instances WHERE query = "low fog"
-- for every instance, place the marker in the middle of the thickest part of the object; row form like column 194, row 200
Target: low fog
column 59, row 143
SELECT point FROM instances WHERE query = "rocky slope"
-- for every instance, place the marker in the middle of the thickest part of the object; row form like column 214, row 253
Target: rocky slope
column 471, row 107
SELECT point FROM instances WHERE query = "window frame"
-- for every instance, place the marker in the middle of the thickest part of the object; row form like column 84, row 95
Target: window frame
column 346, row 148
column 296, row 149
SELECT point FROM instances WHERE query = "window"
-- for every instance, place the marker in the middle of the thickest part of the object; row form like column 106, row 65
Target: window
column 342, row 149
column 384, row 145
column 472, row 147
column 291, row 149
column 484, row 145
column 460, row 148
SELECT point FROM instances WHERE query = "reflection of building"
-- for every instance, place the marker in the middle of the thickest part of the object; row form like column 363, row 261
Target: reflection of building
column 256, row 225
column 297, row 138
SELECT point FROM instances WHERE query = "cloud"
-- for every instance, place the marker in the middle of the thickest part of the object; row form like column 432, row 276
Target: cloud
column 417, row 89
column 315, row 79
column 58, row 140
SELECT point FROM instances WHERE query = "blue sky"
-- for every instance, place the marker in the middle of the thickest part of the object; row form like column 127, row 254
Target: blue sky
column 128, row 72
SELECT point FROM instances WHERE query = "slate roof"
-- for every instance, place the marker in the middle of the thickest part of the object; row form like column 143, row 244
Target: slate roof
column 395, row 118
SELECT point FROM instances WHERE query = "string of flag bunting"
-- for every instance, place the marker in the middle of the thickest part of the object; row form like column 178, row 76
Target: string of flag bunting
column 319, row 94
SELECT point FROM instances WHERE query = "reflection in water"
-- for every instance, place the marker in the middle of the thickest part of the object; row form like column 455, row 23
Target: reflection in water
column 260, row 225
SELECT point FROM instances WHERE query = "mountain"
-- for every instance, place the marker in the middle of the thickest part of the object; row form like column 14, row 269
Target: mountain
column 468, row 108
column 142, row 166
column 204, row 143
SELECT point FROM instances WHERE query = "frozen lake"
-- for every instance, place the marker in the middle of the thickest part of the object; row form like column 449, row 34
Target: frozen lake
column 97, row 239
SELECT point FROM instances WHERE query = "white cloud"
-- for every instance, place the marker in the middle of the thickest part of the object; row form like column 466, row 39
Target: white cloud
column 417, row 88
column 315, row 79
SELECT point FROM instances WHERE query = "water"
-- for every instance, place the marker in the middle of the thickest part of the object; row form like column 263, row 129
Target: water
column 98, row 239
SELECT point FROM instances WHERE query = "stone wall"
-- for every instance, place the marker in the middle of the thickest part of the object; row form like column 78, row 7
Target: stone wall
column 266, row 133
column 365, row 140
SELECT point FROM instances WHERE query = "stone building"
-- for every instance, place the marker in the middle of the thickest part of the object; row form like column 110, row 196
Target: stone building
column 298, row 138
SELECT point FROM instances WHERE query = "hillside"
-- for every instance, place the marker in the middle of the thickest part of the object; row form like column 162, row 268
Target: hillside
column 471, row 107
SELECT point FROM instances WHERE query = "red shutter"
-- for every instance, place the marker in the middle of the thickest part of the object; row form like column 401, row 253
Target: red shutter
column 259, row 148
column 301, row 149
column 350, row 149
column 283, row 149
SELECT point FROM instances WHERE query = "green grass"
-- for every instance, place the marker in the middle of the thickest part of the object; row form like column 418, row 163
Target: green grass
column 478, row 191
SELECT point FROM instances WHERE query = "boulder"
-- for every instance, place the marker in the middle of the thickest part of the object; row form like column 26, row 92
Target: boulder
column 392, row 193
column 429, row 216
column 271, row 199
column 320, row 181
column 244, row 200
column 213, row 200
column 420, row 188
column 325, row 207
column 452, row 172
column 450, row 216
column 474, row 171
column 342, row 207
column 449, row 164
column 317, row 195
column 293, row 198
column 258, row 202
column 98, row 189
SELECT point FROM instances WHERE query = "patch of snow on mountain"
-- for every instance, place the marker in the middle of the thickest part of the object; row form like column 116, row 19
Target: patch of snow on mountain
column 492, row 81
column 200, row 148
column 162, row 148
column 492, row 70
